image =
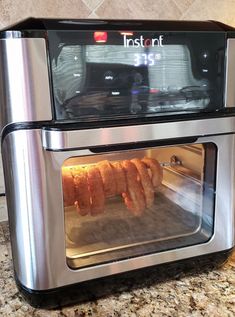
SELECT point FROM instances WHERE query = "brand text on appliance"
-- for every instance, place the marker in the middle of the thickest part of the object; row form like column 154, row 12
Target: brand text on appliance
column 142, row 42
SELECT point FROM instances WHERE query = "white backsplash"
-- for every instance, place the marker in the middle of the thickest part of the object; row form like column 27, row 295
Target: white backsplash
column 3, row 206
column 2, row 186
column 3, row 209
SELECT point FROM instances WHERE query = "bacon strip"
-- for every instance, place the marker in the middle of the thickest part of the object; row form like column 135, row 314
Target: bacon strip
column 96, row 189
column 134, row 179
column 145, row 181
column 156, row 170
column 134, row 197
column 82, row 193
column 119, row 177
column 108, row 179
column 68, row 188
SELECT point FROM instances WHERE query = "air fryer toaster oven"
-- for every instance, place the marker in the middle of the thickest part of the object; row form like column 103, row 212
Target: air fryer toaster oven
column 118, row 146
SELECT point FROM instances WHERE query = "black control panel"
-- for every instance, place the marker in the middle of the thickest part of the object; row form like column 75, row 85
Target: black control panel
column 109, row 74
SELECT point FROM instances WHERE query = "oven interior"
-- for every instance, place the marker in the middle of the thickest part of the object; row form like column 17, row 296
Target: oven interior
column 124, row 204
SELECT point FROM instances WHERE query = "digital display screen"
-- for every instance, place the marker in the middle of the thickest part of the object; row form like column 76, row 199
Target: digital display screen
column 108, row 74
column 146, row 59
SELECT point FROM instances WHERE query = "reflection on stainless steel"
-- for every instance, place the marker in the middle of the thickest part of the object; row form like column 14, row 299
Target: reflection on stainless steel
column 188, row 97
column 105, row 102
column 110, row 54
column 174, row 71
column 61, row 140
column 23, row 65
column 69, row 72
column 86, row 75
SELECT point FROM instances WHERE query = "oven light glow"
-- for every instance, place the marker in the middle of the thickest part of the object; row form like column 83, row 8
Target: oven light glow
column 100, row 37
column 66, row 169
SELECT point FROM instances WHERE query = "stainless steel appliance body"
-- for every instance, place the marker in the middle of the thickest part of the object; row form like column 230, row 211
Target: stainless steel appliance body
column 190, row 134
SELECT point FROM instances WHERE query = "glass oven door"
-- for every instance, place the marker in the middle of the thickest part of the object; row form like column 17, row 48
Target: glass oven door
column 125, row 204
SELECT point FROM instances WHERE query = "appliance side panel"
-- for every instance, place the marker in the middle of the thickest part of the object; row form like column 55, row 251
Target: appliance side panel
column 224, row 201
column 232, row 196
column 24, row 81
column 230, row 75
column 27, row 200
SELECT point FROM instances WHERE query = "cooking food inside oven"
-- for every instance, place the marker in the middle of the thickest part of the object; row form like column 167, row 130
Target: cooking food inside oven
column 135, row 180
column 129, row 203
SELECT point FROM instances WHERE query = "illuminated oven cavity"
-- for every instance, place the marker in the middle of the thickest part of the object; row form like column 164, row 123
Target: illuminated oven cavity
column 132, row 203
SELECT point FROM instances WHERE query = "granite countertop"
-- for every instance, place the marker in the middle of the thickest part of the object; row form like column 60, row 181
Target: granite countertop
column 172, row 290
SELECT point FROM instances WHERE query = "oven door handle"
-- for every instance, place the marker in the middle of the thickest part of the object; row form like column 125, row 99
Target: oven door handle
column 59, row 140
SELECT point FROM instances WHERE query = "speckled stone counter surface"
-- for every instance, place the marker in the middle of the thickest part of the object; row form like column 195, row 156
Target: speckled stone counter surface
column 172, row 290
